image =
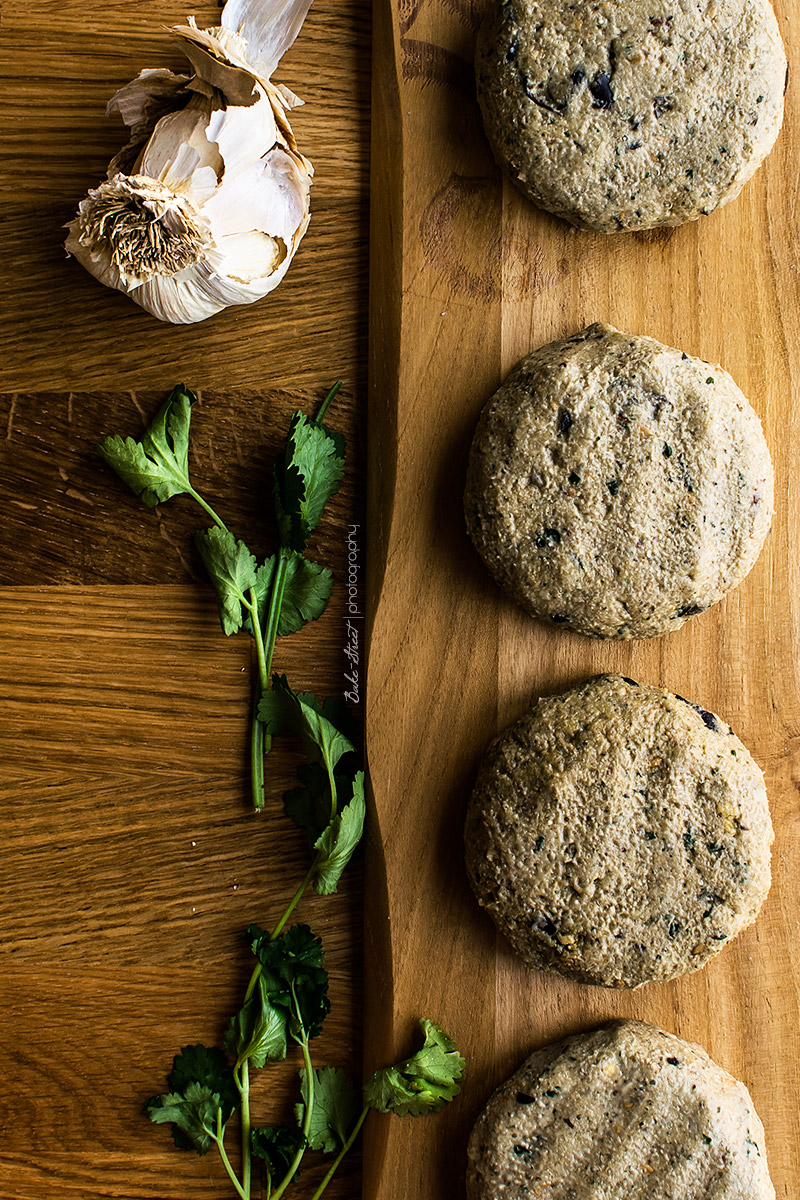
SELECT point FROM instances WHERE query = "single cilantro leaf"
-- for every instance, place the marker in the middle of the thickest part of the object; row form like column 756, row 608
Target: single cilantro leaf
column 192, row 1114
column 277, row 1146
column 283, row 709
column 201, row 1085
column 258, row 1031
column 209, row 1066
column 305, row 594
column 336, row 844
column 310, row 804
column 423, row 1083
column 232, row 569
column 337, row 1105
column 294, row 977
column 157, row 467
column 306, row 476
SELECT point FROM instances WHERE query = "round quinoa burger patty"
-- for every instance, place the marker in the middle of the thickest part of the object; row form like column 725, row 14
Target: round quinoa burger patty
column 626, row 114
column 616, row 486
column 618, row 834
column 627, row 1112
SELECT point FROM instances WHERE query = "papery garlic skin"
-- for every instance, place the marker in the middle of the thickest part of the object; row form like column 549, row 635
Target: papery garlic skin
column 207, row 204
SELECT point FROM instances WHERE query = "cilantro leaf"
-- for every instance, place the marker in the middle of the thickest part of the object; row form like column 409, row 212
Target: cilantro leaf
column 232, row 569
column 283, row 709
column 336, row 844
column 201, row 1085
column 258, row 1031
column 294, row 977
column 309, row 805
column 157, row 467
column 423, row 1083
column 192, row 1114
column 308, row 474
column 277, row 1146
column 209, row 1066
column 305, row 594
column 337, row 1104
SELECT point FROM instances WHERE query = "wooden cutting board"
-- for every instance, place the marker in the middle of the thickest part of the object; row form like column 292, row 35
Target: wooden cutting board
column 130, row 862
column 467, row 277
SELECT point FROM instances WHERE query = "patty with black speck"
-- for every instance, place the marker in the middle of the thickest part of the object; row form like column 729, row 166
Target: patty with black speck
column 626, row 114
column 627, row 1112
column 617, row 486
column 618, row 834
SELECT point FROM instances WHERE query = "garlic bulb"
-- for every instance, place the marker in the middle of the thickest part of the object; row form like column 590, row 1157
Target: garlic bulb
column 206, row 205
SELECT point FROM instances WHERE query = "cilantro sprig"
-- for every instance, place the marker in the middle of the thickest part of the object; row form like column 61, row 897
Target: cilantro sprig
column 286, row 1001
column 270, row 599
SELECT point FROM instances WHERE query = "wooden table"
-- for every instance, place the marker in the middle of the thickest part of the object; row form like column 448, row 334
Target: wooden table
column 130, row 862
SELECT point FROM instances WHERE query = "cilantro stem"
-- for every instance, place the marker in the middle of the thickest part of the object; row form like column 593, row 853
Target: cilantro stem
column 257, row 734
column 275, row 602
column 352, row 1137
column 326, row 403
column 289, row 1176
column 244, row 1092
column 257, row 760
column 295, row 900
column 226, row 1162
column 206, row 507
column 263, row 665
column 331, row 785
column 270, row 635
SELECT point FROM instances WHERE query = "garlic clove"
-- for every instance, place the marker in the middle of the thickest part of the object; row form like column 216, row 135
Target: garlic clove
column 243, row 135
column 179, row 147
column 269, row 27
column 251, row 257
column 270, row 196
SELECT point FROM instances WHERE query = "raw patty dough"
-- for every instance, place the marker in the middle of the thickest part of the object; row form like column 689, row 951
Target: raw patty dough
column 617, row 834
column 625, row 1113
column 628, row 115
column 618, row 486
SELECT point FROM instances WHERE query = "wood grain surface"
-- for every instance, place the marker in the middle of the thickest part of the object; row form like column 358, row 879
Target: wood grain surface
column 130, row 863
column 467, row 277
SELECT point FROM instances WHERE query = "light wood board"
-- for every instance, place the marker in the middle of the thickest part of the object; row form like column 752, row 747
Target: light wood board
column 130, row 862
column 467, row 277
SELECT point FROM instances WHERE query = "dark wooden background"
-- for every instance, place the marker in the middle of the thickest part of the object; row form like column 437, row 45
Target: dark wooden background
column 130, row 862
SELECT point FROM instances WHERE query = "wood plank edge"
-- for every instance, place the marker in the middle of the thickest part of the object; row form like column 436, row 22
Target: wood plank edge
column 385, row 308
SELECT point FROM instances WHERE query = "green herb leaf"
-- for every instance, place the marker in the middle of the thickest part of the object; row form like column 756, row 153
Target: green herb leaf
column 277, row 1146
column 337, row 1104
column 337, row 843
column 201, row 1085
column 283, row 709
column 209, row 1066
column 421, row 1084
column 232, row 569
column 310, row 805
column 258, row 1031
column 192, row 1114
column 157, row 467
column 308, row 474
column 294, row 977
column 306, row 592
